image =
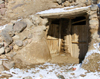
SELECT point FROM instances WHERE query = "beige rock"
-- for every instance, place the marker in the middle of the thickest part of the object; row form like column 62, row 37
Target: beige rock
column 2, row 50
column 8, row 64
column 0, row 62
column 6, row 75
column 44, row 21
column 19, row 43
column 66, row 4
column 94, row 22
column 29, row 77
column 36, row 20
column 15, row 47
column 1, row 68
column 93, row 16
column 94, row 7
column 28, row 22
column 92, row 62
column 16, row 37
column 35, row 52
column 7, row 49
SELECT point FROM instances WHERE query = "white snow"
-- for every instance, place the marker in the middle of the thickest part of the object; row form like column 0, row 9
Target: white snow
column 96, row 50
column 51, row 71
column 57, row 10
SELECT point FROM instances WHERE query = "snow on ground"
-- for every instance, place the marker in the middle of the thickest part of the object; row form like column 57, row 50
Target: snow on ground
column 52, row 71
column 96, row 50
column 57, row 10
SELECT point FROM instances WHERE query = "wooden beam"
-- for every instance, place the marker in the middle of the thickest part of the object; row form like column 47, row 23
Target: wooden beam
column 60, row 36
column 79, row 21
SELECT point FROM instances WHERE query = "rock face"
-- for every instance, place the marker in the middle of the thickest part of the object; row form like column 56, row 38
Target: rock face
column 19, row 26
column 36, row 52
column 7, row 38
column 92, row 62
column 8, row 64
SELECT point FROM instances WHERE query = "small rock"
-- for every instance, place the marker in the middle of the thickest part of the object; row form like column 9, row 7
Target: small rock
column 15, row 37
column 18, row 5
column 0, row 62
column 2, row 11
column 6, row 75
column 36, row 20
column 15, row 47
column 1, row 44
column 93, row 16
column 1, row 68
column 11, row 47
column 28, row 22
column 2, row 6
column 19, row 26
column 19, row 43
column 41, row 76
column 66, row 4
column 11, row 54
column 61, row 77
column 1, row 1
column 70, row 1
column 29, row 77
column 6, row 37
column 2, row 50
column 29, row 36
column 29, row 41
column 44, row 21
column 8, row 64
column 93, row 22
column 25, row 43
column 9, row 29
column 94, row 7
column 7, row 49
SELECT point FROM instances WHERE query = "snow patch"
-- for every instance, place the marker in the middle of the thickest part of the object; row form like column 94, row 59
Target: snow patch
column 57, row 10
column 51, row 71
column 96, row 50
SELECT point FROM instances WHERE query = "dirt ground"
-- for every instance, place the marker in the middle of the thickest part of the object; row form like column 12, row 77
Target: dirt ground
column 63, row 58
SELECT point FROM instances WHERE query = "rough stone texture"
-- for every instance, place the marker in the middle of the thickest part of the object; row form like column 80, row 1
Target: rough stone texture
column 35, row 52
column 7, row 49
column 1, row 1
column 8, row 64
column 36, row 20
column 6, row 37
column 19, row 43
column 25, row 43
column 1, row 44
column 15, row 47
column 2, row 50
column 93, row 22
column 44, row 21
column 66, row 4
column 2, row 6
column 93, row 16
column 1, row 68
column 28, row 22
column 29, row 77
column 94, row 7
column 19, row 26
column 2, row 11
column 9, row 29
column 92, row 62
column 38, row 33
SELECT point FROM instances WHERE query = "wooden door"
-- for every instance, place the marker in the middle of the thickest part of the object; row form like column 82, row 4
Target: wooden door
column 79, row 41
column 53, row 38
